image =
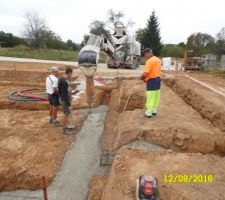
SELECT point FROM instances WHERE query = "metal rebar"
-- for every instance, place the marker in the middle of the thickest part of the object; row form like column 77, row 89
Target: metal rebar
column 44, row 188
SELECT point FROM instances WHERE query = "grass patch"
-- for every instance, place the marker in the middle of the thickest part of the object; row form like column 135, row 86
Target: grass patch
column 44, row 54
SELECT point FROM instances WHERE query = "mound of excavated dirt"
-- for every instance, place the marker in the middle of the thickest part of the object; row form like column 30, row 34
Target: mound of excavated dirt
column 12, row 65
column 129, row 164
column 177, row 126
column 25, row 76
column 209, row 104
column 31, row 148
column 136, row 91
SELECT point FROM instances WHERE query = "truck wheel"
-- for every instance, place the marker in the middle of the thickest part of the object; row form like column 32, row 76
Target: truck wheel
column 135, row 63
column 138, row 61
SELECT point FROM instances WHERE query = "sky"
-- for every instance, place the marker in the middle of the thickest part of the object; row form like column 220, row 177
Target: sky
column 71, row 18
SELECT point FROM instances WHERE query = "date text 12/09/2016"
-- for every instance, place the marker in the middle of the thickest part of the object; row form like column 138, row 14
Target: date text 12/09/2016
column 188, row 178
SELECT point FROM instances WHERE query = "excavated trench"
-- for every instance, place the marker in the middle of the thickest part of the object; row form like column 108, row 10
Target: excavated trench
column 181, row 126
column 209, row 104
column 33, row 144
column 178, row 126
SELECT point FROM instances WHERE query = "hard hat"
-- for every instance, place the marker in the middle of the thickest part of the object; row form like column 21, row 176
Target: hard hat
column 54, row 69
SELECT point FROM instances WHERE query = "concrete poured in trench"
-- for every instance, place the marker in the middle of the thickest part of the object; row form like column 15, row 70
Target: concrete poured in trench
column 81, row 161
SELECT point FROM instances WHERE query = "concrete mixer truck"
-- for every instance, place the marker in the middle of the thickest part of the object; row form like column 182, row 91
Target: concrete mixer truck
column 122, row 49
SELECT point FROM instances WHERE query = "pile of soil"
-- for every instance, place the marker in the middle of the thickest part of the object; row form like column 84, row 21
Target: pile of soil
column 25, row 76
column 13, row 65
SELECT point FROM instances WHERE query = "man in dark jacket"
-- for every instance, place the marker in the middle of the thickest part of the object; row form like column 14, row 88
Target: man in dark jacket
column 65, row 96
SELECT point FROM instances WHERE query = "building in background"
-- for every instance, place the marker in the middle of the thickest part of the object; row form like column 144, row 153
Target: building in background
column 172, row 64
column 222, row 62
column 209, row 60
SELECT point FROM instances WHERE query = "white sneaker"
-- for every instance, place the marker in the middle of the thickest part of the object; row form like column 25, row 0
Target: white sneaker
column 148, row 113
column 154, row 111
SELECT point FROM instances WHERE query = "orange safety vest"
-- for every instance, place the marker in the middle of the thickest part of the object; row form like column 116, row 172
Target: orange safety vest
column 152, row 68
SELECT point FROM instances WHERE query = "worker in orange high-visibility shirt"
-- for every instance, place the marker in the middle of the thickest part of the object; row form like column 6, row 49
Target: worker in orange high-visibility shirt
column 151, row 76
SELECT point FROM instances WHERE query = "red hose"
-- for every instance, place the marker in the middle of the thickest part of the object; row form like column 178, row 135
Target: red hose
column 21, row 93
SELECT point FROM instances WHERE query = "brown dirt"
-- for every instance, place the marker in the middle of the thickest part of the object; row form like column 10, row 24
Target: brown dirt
column 81, row 103
column 178, row 126
column 209, row 104
column 28, row 71
column 97, row 185
column 109, row 134
column 129, row 164
column 25, row 139
column 23, row 76
column 180, row 129
column 9, row 86
column 31, row 148
column 135, row 91
column 211, row 79
column 5, row 103
column 12, row 65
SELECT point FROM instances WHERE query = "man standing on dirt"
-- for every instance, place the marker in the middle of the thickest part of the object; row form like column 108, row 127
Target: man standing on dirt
column 151, row 76
column 53, row 97
column 65, row 97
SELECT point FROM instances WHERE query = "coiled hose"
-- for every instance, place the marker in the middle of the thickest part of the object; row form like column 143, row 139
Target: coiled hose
column 26, row 94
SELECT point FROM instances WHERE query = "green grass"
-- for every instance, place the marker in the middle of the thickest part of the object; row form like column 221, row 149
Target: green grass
column 218, row 71
column 44, row 54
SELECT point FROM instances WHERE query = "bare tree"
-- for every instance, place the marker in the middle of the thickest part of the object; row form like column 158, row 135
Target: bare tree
column 35, row 29
column 117, row 17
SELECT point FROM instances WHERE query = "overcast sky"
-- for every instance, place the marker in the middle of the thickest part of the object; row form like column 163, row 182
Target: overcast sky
column 71, row 18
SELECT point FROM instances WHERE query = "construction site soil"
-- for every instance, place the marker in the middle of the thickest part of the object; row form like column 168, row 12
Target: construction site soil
column 31, row 148
column 190, row 128
column 130, row 163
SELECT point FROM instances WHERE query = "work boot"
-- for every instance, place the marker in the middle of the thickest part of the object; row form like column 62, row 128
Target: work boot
column 148, row 114
column 56, row 123
column 67, row 131
column 154, row 112
column 147, row 117
column 50, row 121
